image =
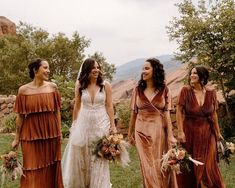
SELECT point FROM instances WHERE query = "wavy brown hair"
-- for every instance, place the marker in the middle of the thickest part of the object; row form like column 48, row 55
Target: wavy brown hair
column 158, row 75
column 84, row 80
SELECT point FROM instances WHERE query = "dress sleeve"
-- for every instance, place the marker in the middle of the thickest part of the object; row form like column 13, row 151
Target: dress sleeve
column 181, row 100
column 168, row 99
column 133, row 104
column 19, row 107
column 57, row 99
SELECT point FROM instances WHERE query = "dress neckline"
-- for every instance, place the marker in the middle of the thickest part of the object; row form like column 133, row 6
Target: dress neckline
column 155, row 95
column 43, row 93
column 92, row 99
column 195, row 98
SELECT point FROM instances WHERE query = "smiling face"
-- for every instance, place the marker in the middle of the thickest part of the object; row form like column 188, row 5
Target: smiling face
column 95, row 71
column 147, row 71
column 43, row 71
column 194, row 78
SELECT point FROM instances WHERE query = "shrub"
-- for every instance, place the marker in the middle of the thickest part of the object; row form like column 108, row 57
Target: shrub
column 65, row 130
column 227, row 124
column 8, row 123
column 123, row 112
column 66, row 89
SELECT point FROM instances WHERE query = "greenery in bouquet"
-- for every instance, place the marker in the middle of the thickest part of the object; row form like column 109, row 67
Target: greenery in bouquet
column 177, row 158
column 225, row 150
column 11, row 168
column 113, row 148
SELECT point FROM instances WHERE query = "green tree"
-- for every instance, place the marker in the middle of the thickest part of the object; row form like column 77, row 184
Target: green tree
column 107, row 69
column 206, row 31
column 64, row 54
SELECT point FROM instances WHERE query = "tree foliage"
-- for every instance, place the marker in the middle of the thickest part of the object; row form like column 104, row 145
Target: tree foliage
column 206, row 31
column 65, row 55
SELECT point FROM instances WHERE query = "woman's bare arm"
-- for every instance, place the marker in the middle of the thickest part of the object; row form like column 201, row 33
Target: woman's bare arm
column 19, row 123
column 131, row 129
column 171, row 137
column 109, row 106
column 77, row 102
column 216, row 124
column 179, row 121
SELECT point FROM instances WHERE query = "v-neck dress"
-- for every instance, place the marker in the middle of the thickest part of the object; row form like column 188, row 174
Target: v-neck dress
column 40, row 140
column 80, row 168
column 200, row 140
column 151, row 137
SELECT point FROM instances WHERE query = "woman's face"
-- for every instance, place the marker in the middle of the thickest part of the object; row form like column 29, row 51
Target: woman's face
column 147, row 71
column 194, row 78
column 43, row 71
column 95, row 71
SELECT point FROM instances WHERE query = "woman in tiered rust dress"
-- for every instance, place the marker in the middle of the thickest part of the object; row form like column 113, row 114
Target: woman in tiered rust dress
column 198, row 130
column 38, row 129
column 150, row 125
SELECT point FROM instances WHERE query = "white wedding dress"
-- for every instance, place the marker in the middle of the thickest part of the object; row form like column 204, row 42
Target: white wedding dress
column 80, row 168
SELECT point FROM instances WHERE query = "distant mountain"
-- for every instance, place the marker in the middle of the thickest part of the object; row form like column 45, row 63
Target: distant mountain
column 132, row 69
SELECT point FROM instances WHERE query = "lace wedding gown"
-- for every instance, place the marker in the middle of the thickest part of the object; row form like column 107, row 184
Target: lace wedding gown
column 80, row 168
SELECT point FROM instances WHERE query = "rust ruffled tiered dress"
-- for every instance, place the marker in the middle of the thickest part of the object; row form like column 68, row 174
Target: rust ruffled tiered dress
column 151, row 137
column 200, row 140
column 40, row 140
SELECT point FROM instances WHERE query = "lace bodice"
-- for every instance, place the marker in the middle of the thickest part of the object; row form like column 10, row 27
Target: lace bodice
column 99, row 99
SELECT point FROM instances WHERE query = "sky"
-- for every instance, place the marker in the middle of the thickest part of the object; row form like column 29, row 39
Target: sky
column 123, row 30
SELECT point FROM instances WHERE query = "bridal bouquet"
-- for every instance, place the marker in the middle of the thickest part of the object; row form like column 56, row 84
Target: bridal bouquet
column 11, row 167
column 113, row 148
column 225, row 150
column 177, row 158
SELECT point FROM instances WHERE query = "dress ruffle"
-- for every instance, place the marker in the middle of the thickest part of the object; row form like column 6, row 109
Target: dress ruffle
column 43, row 125
column 41, row 102
column 40, row 121
column 49, row 150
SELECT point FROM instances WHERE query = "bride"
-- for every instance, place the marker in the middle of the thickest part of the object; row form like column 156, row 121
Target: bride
column 93, row 117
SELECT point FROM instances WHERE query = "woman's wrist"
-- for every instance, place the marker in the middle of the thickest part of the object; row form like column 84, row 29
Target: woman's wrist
column 180, row 131
column 113, row 126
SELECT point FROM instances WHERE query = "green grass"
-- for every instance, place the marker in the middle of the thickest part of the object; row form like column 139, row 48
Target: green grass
column 129, row 177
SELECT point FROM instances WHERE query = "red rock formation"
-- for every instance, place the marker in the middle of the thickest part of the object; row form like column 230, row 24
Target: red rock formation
column 7, row 27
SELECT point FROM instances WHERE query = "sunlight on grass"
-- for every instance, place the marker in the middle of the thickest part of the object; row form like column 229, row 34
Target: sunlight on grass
column 128, row 177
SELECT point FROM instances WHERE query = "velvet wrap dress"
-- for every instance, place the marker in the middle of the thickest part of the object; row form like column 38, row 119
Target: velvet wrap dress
column 40, row 140
column 151, row 137
column 200, row 140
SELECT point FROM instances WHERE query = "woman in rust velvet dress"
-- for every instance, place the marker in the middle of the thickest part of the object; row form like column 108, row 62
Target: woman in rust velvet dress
column 150, row 125
column 198, row 130
column 38, row 129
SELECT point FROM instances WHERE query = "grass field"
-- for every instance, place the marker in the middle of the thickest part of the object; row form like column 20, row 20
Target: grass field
column 128, row 177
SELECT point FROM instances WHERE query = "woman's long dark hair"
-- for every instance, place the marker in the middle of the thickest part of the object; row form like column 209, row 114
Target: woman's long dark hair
column 158, row 76
column 84, row 80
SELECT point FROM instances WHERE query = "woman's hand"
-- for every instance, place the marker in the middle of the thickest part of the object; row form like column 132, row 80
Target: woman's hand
column 219, row 136
column 113, row 130
column 15, row 143
column 172, row 140
column 181, row 137
column 131, row 139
